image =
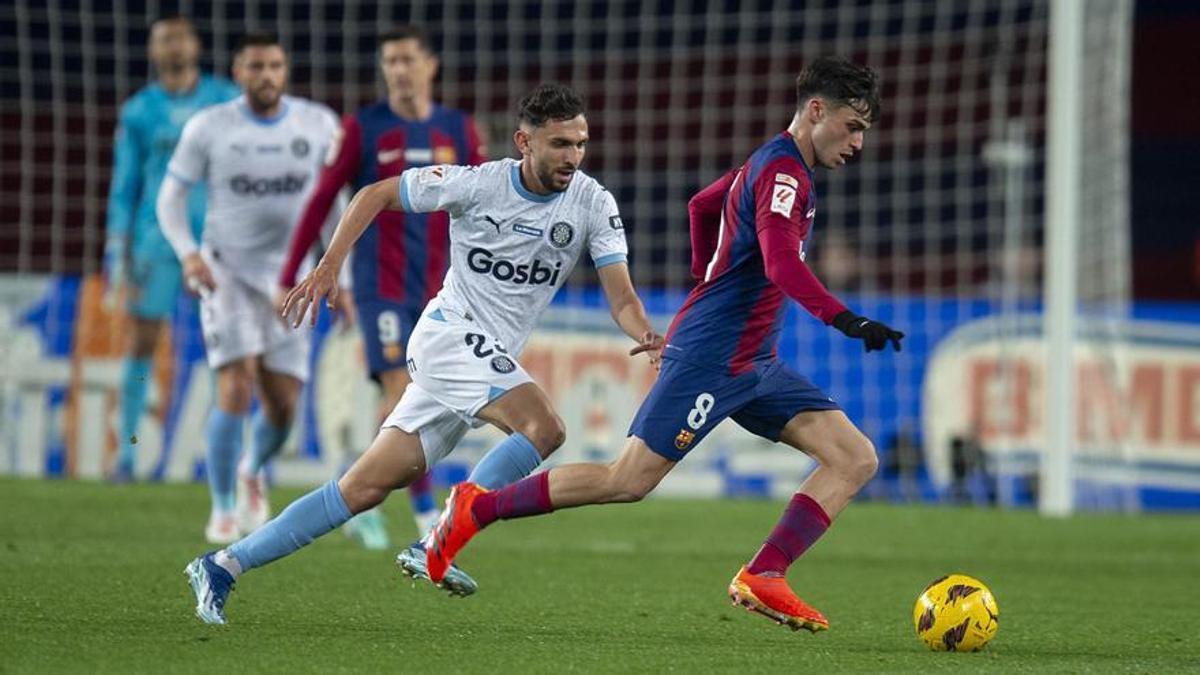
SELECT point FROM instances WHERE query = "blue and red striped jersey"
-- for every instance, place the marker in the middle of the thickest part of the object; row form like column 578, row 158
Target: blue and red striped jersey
column 403, row 257
column 731, row 319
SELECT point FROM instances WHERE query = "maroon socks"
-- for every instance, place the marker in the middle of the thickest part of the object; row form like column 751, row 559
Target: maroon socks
column 803, row 522
column 527, row 497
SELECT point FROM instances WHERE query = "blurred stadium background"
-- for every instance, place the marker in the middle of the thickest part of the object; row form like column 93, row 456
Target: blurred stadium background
column 940, row 228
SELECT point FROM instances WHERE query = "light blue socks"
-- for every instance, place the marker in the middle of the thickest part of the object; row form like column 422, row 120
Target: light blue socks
column 511, row 460
column 224, row 449
column 133, row 403
column 305, row 519
column 268, row 440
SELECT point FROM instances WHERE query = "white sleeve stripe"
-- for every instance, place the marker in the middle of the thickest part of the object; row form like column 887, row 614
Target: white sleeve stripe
column 720, row 232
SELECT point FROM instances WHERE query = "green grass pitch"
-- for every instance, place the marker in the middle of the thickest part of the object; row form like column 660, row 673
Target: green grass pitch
column 91, row 579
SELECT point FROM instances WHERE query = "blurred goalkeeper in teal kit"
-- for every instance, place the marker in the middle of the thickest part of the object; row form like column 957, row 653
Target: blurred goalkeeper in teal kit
column 139, row 264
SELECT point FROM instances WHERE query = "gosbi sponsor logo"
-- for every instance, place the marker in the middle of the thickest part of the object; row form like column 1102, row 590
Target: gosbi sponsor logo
column 534, row 273
column 288, row 184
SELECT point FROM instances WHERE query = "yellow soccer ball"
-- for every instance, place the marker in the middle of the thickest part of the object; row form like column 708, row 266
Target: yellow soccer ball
column 956, row 613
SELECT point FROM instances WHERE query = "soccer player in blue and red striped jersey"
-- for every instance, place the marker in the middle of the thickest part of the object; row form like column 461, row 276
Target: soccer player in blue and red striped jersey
column 399, row 264
column 720, row 356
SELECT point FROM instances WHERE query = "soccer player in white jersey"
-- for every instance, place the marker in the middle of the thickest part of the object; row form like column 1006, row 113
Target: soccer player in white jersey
column 260, row 155
column 517, row 229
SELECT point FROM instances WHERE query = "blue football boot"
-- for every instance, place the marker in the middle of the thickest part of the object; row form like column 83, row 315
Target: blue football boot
column 412, row 563
column 212, row 584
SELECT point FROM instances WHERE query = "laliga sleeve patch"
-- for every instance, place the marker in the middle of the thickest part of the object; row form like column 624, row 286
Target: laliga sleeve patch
column 783, row 198
column 432, row 174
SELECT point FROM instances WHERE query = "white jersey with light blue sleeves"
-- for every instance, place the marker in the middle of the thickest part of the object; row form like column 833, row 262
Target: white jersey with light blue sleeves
column 511, row 249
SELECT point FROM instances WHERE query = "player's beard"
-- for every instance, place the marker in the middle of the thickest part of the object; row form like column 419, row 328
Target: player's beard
column 265, row 98
column 551, row 179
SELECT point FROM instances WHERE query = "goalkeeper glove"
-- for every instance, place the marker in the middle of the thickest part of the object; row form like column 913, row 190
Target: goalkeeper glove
column 875, row 335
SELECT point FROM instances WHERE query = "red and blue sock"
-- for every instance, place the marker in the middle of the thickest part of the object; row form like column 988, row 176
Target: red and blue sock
column 802, row 524
column 526, row 497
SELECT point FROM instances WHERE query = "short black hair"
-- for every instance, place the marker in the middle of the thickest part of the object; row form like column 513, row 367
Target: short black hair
column 842, row 82
column 549, row 102
column 406, row 31
column 258, row 39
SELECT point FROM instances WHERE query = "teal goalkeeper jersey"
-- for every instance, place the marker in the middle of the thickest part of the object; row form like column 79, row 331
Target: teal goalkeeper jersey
column 150, row 124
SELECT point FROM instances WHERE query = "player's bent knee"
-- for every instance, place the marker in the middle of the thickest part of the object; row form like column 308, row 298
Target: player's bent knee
column 235, row 396
column 280, row 414
column 547, row 435
column 861, row 462
column 361, row 496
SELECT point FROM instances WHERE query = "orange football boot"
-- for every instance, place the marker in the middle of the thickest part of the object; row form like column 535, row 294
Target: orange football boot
column 774, row 599
column 452, row 531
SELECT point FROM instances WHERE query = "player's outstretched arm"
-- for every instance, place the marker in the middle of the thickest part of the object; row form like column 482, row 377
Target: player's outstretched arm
column 322, row 282
column 786, row 270
column 628, row 312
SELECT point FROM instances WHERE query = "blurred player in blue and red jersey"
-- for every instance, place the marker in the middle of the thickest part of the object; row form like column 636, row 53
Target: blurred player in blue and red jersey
column 399, row 264
column 749, row 229
column 139, row 263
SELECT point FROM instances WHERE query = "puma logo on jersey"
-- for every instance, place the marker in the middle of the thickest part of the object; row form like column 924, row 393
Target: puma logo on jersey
column 811, row 212
column 493, row 221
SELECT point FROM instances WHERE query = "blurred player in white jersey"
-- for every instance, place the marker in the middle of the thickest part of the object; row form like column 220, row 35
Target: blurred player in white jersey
column 260, row 155
column 517, row 230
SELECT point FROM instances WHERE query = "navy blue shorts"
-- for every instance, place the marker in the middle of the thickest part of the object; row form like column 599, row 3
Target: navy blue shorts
column 687, row 402
column 386, row 327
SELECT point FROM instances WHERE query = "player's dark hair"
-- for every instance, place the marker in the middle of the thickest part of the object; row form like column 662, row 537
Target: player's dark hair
column 258, row 39
column 842, row 82
column 406, row 31
column 175, row 18
column 549, row 102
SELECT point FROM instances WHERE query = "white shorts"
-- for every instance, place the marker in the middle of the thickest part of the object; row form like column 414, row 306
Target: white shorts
column 239, row 321
column 456, row 370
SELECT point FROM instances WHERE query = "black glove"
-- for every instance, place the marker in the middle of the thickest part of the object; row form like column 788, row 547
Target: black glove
column 875, row 335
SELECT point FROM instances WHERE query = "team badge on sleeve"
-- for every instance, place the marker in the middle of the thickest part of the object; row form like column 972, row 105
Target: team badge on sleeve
column 684, row 439
column 615, row 223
